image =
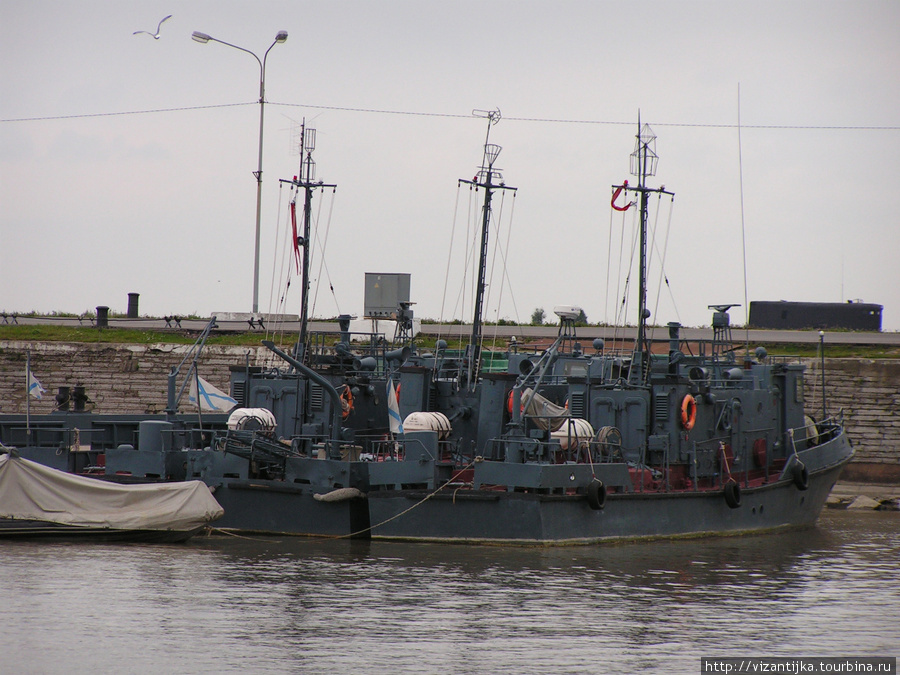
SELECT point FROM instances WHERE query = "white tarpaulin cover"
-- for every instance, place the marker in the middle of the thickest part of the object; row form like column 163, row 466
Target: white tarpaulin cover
column 546, row 414
column 32, row 491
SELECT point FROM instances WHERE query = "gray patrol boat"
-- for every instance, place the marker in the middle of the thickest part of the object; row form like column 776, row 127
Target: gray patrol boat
column 665, row 439
column 562, row 446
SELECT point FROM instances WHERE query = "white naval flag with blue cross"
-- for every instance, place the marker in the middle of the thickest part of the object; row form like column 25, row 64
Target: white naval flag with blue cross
column 34, row 387
column 211, row 399
column 393, row 409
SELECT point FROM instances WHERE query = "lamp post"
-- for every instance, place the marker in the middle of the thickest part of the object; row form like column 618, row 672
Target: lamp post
column 282, row 35
column 822, row 356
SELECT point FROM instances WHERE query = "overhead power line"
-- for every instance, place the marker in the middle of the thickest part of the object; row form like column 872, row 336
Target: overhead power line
column 412, row 113
column 599, row 122
column 126, row 112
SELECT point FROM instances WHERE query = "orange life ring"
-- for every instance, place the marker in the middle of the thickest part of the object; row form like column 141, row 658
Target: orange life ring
column 688, row 412
column 346, row 402
column 509, row 400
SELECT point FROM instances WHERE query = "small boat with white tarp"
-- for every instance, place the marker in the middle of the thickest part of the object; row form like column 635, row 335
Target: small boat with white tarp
column 38, row 501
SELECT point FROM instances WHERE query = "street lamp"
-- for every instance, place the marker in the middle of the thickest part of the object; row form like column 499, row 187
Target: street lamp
column 822, row 356
column 282, row 35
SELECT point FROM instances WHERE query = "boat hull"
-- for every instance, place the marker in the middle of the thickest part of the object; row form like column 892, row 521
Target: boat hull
column 275, row 507
column 49, row 531
column 485, row 516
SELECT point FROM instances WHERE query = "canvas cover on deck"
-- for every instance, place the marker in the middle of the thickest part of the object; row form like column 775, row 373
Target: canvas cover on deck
column 545, row 414
column 32, row 491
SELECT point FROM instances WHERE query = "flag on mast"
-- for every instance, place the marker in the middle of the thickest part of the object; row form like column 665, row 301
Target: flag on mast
column 211, row 399
column 35, row 389
column 393, row 409
column 296, row 240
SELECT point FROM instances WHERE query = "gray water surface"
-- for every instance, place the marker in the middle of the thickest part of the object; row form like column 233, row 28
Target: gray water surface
column 289, row 605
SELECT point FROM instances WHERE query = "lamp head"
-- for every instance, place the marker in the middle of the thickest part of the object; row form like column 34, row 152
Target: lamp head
column 281, row 37
column 202, row 38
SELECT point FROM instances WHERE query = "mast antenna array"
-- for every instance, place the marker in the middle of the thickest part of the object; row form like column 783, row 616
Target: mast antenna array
column 490, row 179
column 306, row 179
column 644, row 161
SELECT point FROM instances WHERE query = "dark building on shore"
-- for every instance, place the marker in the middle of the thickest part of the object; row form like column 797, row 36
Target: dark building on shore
column 816, row 315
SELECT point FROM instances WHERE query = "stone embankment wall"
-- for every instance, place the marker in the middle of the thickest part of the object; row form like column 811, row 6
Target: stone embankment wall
column 118, row 378
column 132, row 379
column 868, row 392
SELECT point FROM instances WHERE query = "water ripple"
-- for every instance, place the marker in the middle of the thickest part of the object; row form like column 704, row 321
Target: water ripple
column 222, row 605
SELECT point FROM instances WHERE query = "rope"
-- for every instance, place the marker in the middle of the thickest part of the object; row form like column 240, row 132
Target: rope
column 286, row 256
column 414, row 506
column 504, row 277
column 793, row 444
column 662, row 266
column 275, row 252
column 471, row 264
column 450, row 255
column 743, row 231
column 623, row 308
column 322, row 262
column 275, row 330
column 725, row 460
column 504, row 253
column 229, row 533
column 608, row 265
column 590, row 456
column 618, row 311
column 460, row 305
column 668, row 286
column 490, row 287
column 490, row 278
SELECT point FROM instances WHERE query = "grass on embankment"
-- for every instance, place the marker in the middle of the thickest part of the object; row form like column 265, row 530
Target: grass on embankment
column 92, row 335
column 86, row 334
column 28, row 333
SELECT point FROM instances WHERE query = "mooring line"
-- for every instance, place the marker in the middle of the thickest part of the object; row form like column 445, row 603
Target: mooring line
column 416, row 505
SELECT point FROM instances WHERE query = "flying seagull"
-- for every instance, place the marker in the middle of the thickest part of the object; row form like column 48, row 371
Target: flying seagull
column 154, row 36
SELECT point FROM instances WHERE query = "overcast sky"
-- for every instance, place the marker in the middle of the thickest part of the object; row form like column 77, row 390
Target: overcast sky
column 95, row 205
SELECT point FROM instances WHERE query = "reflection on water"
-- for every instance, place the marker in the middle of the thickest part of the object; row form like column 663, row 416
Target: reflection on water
column 227, row 604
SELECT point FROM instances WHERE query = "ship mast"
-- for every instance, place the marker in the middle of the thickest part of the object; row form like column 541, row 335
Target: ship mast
column 484, row 179
column 645, row 159
column 306, row 179
column 643, row 164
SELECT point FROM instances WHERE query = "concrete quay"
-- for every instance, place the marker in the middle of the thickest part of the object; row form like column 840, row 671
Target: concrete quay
column 864, row 496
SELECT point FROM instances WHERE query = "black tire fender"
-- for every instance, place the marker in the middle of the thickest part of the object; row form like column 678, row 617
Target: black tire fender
column 801, row 476
column 732, row 494
column 596, row 495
